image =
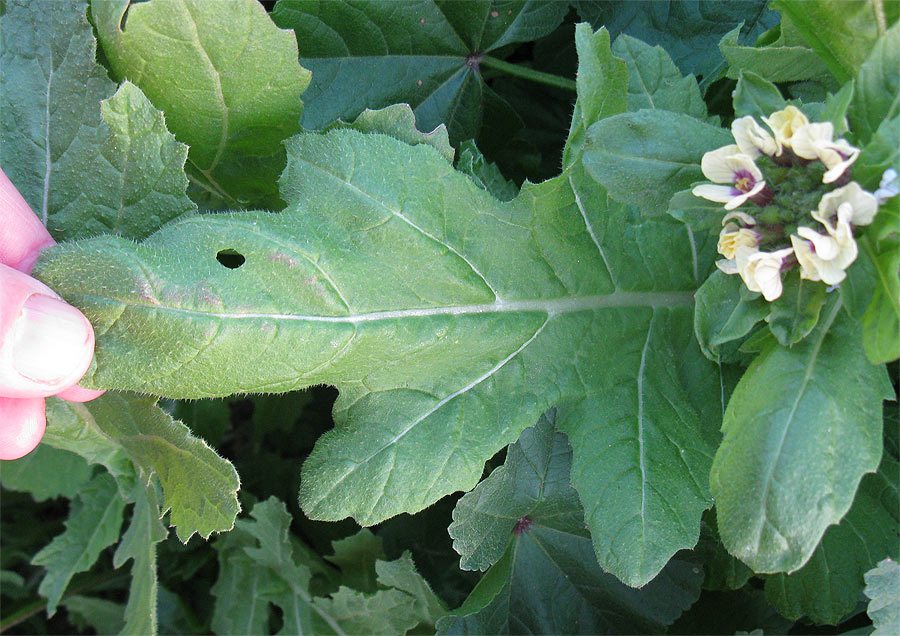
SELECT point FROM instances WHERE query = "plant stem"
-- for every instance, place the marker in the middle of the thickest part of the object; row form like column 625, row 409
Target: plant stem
column 30, row 610
column 528, row 73
column 880, row 20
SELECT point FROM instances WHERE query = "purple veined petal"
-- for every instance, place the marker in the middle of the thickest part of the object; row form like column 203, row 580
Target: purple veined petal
column 743, row 197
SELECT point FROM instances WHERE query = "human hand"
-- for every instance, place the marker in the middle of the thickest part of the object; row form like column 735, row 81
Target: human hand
column 46, row 345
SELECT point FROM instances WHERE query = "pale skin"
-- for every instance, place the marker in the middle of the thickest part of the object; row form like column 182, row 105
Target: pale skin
column 46, row 345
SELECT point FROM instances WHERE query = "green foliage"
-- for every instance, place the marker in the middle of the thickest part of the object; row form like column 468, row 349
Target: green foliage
column 694, row 443
column 882, row 583
column 238, row 85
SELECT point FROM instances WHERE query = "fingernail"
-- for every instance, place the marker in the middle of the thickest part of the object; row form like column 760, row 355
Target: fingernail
column 50, row 338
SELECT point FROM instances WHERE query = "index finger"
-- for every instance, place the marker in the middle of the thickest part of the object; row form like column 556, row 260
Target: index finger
column 23, row 234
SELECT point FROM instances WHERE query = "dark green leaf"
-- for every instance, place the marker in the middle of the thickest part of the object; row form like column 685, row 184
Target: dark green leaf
column 795, row 313
column 828, row 587
column 419, row 52
column 92, row 526
column 645, row 157
column 723, row 312
column 548, row 554
column 100, row 614
column 881, row 322
column 699, row 214
column 801, row 429
column 484, row 173
column 687, row 30
column 877, row 96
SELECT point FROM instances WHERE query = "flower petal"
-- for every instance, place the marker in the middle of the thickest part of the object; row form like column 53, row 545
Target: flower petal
column 717, row 193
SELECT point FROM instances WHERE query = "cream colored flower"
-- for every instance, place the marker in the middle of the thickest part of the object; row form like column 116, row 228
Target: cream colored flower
column 761, row 271
column 784, row 123
column 734, row 236
column 863, row 205
column 824, row 257
column 814, row 141
column 752, row 138
column 728, row 165
column 889, row 186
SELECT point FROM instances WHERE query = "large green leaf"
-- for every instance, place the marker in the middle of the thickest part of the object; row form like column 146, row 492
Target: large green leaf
column 828, row 587
column 841, row 33
column 422, row 52
column 645, row 157
column 93, row 525
column 434, row 309
column 526, row 522
column 787, row 59
column 877, row 95
column 82, row 175
column 801, row 429
column 655, row 82
column 236, row 81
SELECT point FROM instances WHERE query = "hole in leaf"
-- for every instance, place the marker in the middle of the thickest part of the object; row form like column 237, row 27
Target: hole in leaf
column 230, row 258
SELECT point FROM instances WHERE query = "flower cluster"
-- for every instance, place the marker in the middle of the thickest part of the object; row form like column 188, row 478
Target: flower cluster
column 805, row 206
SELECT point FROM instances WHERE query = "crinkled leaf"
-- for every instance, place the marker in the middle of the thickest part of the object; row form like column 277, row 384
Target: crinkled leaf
column 756, row 96
column 841, row 33
column 356, row 556
column 384, row 612
column 399, row 121
column 689, row 30
column 46, row 472
column 257, row 567
column 402, row 575
column 828, row 587
column 655, row 82
column 484, row 173
column 724, row 312
column 721, row 570
column 877, row 96
column 236, row 78
column 801, row 429
column 139, row 543
column 91, row 527
column 787, row 59
column 645, row 157
column 421, row 52
column 199, row 486
column 883, row 588
column 795, row 313
column 546, row 553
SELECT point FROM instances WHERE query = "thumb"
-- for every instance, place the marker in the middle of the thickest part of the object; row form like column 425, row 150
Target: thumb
column 46, row 344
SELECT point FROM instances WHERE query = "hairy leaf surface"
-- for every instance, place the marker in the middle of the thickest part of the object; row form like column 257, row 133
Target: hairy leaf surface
column 882, row 583
column 801, row 429
column 448, row 321
column 238, row 85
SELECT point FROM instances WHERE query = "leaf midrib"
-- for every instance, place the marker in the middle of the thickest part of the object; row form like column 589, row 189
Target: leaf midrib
column 551, row 307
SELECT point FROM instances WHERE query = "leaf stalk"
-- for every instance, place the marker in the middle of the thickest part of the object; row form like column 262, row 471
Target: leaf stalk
column 528, row 73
